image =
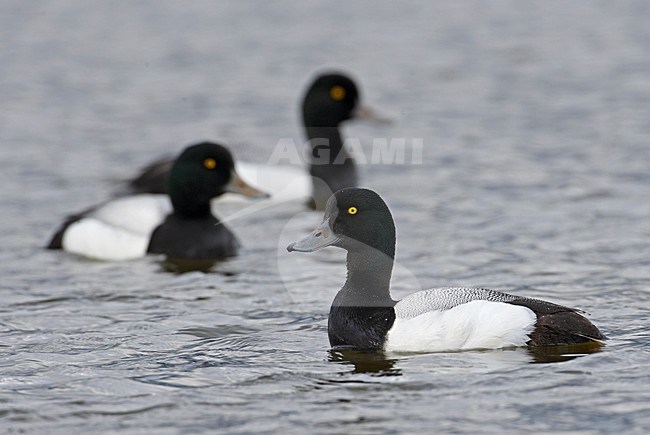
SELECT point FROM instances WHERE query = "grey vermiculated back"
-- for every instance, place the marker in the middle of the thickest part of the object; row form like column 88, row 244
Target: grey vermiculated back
column 534, row 175
column 445, row 298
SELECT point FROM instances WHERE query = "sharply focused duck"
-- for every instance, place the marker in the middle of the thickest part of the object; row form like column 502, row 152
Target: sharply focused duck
column 364, row 316
column 330, row 100
column 179, row 225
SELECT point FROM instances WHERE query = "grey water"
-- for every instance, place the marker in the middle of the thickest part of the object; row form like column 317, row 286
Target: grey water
column 534, row 179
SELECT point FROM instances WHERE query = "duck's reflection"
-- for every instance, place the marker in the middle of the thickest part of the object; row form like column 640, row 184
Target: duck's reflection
column 375, row 363
column 552, row 354
column 183, row 265
column 381, row 364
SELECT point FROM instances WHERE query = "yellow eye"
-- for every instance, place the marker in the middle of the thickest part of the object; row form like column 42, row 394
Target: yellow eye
column 337, row 93
column 210, row 163
column 352, row 210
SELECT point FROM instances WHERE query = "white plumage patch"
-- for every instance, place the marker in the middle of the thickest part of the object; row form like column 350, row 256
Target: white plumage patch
column 478, row 324
column 283, row 183
column 118, row 230
column 139, row 214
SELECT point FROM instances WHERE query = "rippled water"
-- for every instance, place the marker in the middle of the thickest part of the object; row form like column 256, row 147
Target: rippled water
column 535, row 180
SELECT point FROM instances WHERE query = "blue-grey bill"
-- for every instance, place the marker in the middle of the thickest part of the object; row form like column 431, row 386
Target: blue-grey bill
column 321, row 237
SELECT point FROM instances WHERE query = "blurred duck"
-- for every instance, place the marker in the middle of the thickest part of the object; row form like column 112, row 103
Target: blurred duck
column 330, row 100
column 179, row 225
column 364, row 316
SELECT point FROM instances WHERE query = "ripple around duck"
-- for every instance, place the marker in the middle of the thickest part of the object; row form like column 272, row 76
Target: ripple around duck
column 218, row 331
column 534, row 180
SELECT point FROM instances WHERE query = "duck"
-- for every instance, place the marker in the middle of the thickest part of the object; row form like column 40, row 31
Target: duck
column 331, row 99
column 179, row 224
column 363, row 315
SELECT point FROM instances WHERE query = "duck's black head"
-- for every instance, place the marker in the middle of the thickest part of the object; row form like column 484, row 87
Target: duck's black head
column 355, row 219
column 331, row 99
column 202, row 172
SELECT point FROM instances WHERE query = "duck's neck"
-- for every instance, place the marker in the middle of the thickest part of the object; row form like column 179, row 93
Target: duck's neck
column 368, row 279
column 187, row 205
column 332, row 168
column 326, row 145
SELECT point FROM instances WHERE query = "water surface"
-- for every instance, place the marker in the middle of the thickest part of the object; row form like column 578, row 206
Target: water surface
column 535, row 180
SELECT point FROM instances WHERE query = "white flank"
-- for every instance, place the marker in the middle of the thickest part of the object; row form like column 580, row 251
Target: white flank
column 283, row 183
column 92, row 238
column 119, row 229
column 477, row 324
column 139, row 214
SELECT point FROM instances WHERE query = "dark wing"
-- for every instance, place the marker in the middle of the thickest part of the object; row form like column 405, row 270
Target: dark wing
column 541, row 307
column 558, row 325
column 153, row 178
column 57, row 239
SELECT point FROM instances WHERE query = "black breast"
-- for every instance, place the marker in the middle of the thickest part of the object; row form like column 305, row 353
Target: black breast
column 359, row 327
column 197, row 239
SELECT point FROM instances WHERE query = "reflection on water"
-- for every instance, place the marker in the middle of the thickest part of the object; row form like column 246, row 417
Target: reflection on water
column 375, row 363
column 551, row 354
column 184, row 265
column 534, row 180
column 382, row 364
